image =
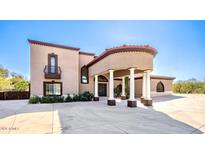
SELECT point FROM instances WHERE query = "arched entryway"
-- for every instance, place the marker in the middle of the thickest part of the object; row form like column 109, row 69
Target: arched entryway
column 160, row 87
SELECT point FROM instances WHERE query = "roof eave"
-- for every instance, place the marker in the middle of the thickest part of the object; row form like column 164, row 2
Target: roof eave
column 52, row 44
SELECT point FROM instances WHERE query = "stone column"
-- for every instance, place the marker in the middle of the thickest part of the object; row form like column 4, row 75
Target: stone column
column 123, row 97
column 132, row 101
column 144, row 86
column 96, row 98
column 111, row 100
column 148, row 99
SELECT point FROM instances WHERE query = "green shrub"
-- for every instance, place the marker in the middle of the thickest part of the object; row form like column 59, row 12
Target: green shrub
column 46, row 99
column 52, row 99
column 76, row 98
column 118, row 90
column 58, row 99
column 86, row 96
column 34, row 100
column 68, row 98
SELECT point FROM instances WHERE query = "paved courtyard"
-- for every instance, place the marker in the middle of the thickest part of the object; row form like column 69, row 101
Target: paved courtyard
column 169, row 114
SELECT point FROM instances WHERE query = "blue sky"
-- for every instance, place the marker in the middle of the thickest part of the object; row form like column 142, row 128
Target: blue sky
column 180, row 44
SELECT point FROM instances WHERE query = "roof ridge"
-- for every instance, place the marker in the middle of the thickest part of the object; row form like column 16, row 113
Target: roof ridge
column 130, row 46
column 52, row 44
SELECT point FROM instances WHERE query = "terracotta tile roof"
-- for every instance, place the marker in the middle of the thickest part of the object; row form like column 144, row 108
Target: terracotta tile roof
column 124, row 48
column 52, row 45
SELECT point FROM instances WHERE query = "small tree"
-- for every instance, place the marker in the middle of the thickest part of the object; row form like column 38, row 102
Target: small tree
column 5, row 84
column 22, row 85
column 4, row 73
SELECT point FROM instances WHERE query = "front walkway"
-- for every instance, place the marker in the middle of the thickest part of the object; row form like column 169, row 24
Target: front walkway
column 169, row 114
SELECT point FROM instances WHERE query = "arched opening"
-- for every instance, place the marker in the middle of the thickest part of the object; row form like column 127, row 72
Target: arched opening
column 102, row 78
column 160, row 87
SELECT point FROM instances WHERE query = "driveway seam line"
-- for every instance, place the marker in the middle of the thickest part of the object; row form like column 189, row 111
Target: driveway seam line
column 52, row 118
column 12, row 124
column 121, row 129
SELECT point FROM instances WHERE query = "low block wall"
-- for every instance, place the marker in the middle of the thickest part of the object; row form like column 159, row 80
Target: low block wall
column 12, row 95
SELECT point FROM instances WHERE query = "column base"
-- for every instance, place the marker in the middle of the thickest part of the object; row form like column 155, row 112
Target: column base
column 96, row 98
column 147, row 102
column 131, row 103
column 111, row 102
column 123, row 97
column 142, row 100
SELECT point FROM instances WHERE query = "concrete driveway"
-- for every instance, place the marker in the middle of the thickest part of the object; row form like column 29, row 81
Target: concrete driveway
column 169, row 114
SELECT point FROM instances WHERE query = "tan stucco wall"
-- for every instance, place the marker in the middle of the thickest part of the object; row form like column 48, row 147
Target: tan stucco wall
column 138, row 87
column 68, row 60
column 84, row 60
column 123, row 60
column 71, row 62
column 167, row 86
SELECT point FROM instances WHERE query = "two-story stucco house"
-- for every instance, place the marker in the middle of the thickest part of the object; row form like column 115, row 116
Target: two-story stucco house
column 61, row 70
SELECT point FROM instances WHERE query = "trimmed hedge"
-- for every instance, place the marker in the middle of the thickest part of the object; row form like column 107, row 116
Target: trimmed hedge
column 68, row 98
column 52, row 99
column 86, row 96
column 34, row 100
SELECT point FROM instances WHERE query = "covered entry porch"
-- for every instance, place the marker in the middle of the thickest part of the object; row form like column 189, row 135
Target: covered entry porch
column 100, row 88
column 121, row 62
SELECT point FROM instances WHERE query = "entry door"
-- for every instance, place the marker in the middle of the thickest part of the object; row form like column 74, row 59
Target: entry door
column 102, row 89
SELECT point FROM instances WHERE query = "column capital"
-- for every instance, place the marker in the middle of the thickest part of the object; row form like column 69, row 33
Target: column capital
column 111, row 70
column 147, row 71
column 132, row 68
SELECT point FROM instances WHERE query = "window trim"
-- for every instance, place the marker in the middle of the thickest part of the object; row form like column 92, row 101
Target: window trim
column 102, row 77
column 52, row 82
column 49, row 61
column 87, row 75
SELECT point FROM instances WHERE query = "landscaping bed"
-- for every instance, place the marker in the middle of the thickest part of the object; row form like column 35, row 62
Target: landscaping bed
column 86, row 96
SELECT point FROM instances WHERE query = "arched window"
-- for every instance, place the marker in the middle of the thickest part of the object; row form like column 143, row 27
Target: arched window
column 160, row 87
column 101, row 78
column 84, row 75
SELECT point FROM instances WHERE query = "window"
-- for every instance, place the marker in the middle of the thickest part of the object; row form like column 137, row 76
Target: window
column 160, row 87
column 84, row 75
column 52, row 88
column 52, row 63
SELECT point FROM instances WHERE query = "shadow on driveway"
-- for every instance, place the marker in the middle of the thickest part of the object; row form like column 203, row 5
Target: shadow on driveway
column 165, row 98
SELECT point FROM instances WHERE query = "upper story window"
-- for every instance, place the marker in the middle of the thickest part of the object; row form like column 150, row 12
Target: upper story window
column 84, row 75
column 52, row 63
